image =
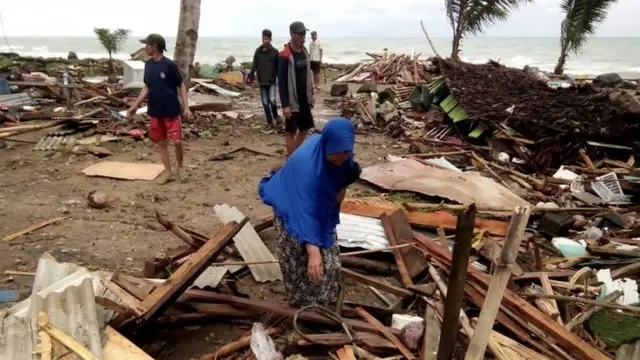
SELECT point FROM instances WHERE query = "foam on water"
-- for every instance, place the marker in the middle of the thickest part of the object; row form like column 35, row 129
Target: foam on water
column 599, row 56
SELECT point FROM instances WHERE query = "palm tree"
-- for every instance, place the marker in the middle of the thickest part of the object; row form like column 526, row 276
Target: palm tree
column 472, row 16
column 111, row 41
column 579, row 23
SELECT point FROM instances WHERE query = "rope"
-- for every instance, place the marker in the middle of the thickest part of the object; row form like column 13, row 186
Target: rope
column 329, row 315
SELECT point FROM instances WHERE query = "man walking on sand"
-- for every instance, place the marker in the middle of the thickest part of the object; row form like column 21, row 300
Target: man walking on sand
column 315, row 55
column 162, row 86
column 296, row 88
column 265, row 62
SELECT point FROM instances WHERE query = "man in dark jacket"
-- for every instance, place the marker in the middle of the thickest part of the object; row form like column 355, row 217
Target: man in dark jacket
column 295, row 82
column 265, row 62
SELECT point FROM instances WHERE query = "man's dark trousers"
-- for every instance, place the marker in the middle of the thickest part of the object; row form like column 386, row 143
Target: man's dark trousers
column 268, row 97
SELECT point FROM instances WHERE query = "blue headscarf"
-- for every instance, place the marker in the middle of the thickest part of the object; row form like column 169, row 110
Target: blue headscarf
column 303, row 193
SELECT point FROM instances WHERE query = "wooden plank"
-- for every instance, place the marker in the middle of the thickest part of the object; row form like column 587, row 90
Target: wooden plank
column 384, row 331
column 33, row 228
column 64, row 338
column 380, row 285
column 431, row 334
column 546, row 287
column 414, row 259
column 393, row 241
column 498, row 284
column 518, row 305
column 457, row 277
column 170, row 290
column 127, row 299
column 552, row 275
column 111, row 305
column 118, row 347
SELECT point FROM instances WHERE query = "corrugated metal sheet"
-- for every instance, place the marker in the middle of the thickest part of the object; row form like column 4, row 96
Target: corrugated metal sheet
column 250, row 246
column 49, row 143
column 15, row 100
column 465, row 188
column 214, row 274
column 362, row 232
column 629, row 351
column 66, row 292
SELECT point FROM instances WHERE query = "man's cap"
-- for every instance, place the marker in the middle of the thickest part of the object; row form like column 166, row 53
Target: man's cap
column 297, row 27
column 314, row 32
column 157, row 40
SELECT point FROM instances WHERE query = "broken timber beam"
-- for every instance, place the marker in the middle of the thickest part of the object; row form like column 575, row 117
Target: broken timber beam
column 367, row 280
column 498, row 284
column 513, row 302
column 457, row 278
column 164, row 295
column 280, row 310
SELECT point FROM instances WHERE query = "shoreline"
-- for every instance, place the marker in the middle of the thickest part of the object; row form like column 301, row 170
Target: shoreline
column 98, row 66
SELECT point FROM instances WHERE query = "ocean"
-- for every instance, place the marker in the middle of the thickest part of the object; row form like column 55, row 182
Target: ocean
column 600, row 55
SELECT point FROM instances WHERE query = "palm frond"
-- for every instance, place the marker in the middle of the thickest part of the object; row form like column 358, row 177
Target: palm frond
column 581, row 20
column 453, row 11
column 112, row 41
column 479, row 14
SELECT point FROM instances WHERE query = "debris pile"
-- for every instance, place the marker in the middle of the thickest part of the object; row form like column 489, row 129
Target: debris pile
column 556, row 121
column 389, row 69
column 81, row 107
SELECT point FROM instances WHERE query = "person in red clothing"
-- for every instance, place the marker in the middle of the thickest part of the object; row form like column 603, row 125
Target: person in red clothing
column 295, row 84
column 164, row 89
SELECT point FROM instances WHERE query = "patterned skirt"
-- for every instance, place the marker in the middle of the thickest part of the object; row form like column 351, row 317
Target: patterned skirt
column 293, row 259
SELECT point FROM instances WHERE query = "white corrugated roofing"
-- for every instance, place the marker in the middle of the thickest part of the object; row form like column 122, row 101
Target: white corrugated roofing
column 66, row 292
column 250, row 246
column 362, row 232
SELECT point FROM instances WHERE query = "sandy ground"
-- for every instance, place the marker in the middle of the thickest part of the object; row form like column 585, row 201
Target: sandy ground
column 37, row 186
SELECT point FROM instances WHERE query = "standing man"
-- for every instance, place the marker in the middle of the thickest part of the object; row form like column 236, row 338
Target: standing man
column 265, row 62
column 164, row 89
column 315, row 54
column 296, row 87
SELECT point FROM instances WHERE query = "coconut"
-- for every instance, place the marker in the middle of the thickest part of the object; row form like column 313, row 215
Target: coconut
column 97, row 199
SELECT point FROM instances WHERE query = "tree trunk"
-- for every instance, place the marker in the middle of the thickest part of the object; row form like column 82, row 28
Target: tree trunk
column 561, row 62
column 187, row 38
column 111, row 69
column 455, row 47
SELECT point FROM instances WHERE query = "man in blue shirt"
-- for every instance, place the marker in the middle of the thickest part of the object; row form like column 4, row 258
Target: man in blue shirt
column 164, row 90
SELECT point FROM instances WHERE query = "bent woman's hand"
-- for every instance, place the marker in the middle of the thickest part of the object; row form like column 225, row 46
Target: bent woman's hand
column 314, row 265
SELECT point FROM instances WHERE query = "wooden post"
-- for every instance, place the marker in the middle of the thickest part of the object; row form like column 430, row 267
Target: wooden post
column 498, row 284
column 455, row 289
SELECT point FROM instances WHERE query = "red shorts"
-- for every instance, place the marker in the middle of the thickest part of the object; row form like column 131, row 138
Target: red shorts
column 161, row 129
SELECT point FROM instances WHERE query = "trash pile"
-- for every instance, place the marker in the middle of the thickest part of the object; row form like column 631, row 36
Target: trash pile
column 388, row 69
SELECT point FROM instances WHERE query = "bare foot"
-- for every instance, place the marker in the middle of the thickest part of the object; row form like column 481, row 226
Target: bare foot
column 182, row 175
column 165, row 178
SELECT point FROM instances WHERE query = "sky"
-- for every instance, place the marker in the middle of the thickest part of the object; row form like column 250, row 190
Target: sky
column 246, row 18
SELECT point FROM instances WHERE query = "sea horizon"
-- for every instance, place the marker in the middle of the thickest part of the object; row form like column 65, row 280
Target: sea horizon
column 600, row 54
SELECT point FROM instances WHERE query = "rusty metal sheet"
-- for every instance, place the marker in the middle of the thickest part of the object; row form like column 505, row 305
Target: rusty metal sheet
column 375, row 206
column 465, row 188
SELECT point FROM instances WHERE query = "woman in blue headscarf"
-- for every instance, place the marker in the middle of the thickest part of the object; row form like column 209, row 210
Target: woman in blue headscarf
column 305, row 195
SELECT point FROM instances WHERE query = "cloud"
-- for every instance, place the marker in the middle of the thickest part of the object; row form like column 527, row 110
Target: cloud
column 345, row 18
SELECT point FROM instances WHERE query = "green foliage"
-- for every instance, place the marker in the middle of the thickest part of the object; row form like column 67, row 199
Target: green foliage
column 112, row 41
column 473, row 16
column 581, row 19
